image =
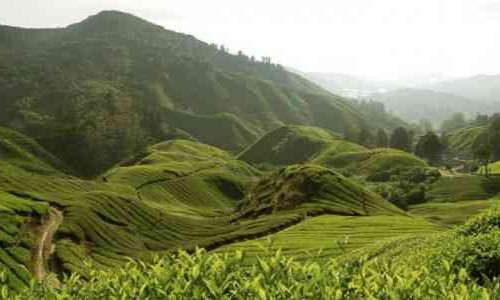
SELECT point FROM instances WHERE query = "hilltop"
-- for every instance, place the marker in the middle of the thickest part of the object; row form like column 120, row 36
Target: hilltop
column 98, row 91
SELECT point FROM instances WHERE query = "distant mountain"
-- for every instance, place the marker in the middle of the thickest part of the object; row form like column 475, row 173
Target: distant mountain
column 417, row 104
column 358, row 87
column 97, row 91
column 481, row 87
column 347, row 85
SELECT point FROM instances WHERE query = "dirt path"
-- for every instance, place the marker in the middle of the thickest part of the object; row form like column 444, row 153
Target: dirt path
column 43, row 248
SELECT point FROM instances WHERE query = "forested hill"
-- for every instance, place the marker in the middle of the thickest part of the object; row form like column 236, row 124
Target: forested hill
column 95, row 92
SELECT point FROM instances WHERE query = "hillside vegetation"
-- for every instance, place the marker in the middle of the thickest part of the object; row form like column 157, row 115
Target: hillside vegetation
column 100, row 90
column 294, row 144
column 177, row 194
column 138, row 162
column 456, row 264
column 369, row 162
column 460, row 141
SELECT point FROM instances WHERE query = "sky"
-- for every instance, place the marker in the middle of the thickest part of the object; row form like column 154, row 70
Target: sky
column 374, row 39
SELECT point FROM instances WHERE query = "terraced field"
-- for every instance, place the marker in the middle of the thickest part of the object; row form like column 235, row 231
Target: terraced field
column 452, row 213
column 463, row 188
column 177, row 194
column 292, row 145
column 335, row 235
column 369, row 162
column 183, row 194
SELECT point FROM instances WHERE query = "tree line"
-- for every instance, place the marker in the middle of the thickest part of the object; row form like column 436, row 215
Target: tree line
column 430, row 146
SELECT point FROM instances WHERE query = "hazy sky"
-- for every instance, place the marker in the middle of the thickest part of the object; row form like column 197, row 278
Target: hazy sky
column 381, row 39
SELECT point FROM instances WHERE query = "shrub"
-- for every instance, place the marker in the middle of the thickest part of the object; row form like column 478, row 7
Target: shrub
column 230, row 276
column 480, row 256
column 482, row 224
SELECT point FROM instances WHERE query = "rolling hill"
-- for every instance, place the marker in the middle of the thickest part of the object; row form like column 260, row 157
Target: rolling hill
column 369, row 162
column 294, row 144
column 173, row 195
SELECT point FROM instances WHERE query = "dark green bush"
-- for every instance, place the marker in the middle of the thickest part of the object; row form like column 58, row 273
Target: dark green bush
column 480, row 256
column 481, row 224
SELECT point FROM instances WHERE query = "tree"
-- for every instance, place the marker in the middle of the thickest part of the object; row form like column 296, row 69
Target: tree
column 351, row 134
column 381, row 139
column 455, row 122
column 365, row 138
column 400, row 140
column 486, row 147
column 494, row 136
column 482, row 151
column 429, row 147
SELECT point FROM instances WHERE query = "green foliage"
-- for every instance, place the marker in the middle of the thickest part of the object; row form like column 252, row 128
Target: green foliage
column 381, row 139
column 288, row 145
column 451, row 213
column 429, row 147
column 314, row 188
column 404, row 186
column 401, row 140
column 481, row 224
column 463, row 187
column 332, row 236
column 493, row 169
column 205, row 275
column 371, row 162
column 96, row 92
column 461, row 141
column 365, row 138
column 457, row 121
column 480, row 256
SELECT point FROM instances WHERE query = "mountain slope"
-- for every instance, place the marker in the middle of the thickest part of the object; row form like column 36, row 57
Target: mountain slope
column 479, row 88
column 98, row 91
column 418, row 104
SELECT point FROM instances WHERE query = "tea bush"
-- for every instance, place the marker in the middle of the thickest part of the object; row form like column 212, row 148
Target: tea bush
column 203, row 275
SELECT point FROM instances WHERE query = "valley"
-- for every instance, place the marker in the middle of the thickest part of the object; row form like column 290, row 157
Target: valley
column 142, row 163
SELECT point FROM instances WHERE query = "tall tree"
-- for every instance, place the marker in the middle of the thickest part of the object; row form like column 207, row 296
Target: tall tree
column 400, row 139
column 486, row 147
column 429, row 147
column 381, row 139
column 365, row 138
column 482, row 151
column 494, row 136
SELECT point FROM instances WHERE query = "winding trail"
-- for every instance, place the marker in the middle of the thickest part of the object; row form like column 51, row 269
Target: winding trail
column 43, row 248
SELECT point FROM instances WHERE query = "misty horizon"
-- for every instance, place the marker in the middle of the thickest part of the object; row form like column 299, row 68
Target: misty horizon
column 387, row 40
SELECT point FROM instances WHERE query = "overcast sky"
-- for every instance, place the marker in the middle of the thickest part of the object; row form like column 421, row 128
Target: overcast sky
column 378, row 39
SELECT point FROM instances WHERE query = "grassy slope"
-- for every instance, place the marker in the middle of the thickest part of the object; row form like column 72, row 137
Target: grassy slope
column 289, row 145
column 300, row 144
column 460, row 141
column 22, row 152
column 177, row 194
column 463, row 187
column 370, row 161
column 335, row 235
column 452, row 213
